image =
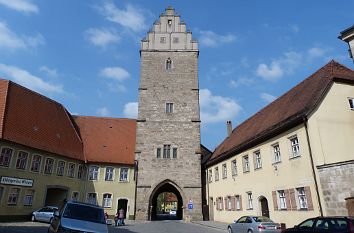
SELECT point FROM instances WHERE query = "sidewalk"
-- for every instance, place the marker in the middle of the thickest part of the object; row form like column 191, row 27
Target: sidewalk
column 212, row 224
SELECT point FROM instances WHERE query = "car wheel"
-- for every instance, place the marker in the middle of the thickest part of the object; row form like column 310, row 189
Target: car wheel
column 229, row 230
column 249, row 231
column 33, row 218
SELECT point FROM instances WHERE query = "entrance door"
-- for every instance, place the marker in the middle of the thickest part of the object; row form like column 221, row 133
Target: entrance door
column 55, row 196
column 264, row 207
column 211, row 209
column 123, row 204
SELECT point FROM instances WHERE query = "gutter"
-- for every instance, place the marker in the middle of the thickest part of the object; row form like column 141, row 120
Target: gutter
column 313, row 166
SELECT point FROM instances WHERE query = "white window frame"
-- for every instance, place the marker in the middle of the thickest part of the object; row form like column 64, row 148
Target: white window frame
column 276, row 153
column 5, row 158
column 94, row 172
column 74, row 194
column 124, row 176
column 216, row 169
column 22, row 158
column 258, row 159
column 282, row 199
column 295, row 147
column 80, row 172
column 28, row 198
column 14, row 194
column 71, row 170
column 224, row 171
column 229, row 203
column 166, row 153
column 234, row 167
column 61, row 168
column 301, row 197
column 221, row 203
column 107, row 199
column 48, row 168
column 109, row 175
column 238, row 202
column 36, row 164
column 246, row 163
column 249, row 201
column 210, row 175
column 90, row 198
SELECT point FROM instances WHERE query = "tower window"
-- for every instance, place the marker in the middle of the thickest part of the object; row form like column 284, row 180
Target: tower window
column 168, row 64
column 174, row 154
column 169, row 107
column 351, row 103
column 166, row 151
column 162, row 40
column 158, row 153
column 169, row 22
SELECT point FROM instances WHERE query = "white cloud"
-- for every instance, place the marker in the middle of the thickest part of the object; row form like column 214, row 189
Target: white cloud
column 116, row 73
column 10, row 40
column 28, row 80
column 116, row 87
column 24, row 6
column 280, row 66
column 102, row 37
column 316, row 52
column 242, row 81
column 131, row 17
column 131, row 110
column 217, row 108
column 268, row 97
column 211, row 39
column 103, row 111
column 48, row 71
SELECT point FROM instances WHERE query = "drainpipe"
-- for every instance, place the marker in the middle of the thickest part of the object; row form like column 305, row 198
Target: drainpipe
column 313, row 166
column 136, row 164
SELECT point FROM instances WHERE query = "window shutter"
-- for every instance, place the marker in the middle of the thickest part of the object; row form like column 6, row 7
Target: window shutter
column 308, row 198
column 222, row 203
column 240, row 202
column 287, row 199
column 275, row 200
column 217, row 203
column 233, row 203
column 293, row 199
column 226, row 203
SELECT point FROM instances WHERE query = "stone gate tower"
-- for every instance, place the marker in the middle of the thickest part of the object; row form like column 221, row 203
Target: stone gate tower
column 168, row 129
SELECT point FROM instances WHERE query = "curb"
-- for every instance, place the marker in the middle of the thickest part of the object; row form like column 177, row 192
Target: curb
column 205, row 225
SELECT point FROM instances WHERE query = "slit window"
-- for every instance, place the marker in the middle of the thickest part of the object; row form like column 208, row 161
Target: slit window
column 168, row 64
column 351, row 103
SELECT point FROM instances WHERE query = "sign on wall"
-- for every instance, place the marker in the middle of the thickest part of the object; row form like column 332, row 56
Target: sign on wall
column 16, row 181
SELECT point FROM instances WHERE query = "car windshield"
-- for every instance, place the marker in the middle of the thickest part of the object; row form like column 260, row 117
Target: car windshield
column 262, row 219
column 84, row 212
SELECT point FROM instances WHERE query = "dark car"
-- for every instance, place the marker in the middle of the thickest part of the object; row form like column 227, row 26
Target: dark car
column 78, row 217
column 324, row 225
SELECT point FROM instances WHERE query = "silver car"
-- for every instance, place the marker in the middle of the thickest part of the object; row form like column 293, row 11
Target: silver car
column 44, row 214
column 254, row 224
column 79, row 217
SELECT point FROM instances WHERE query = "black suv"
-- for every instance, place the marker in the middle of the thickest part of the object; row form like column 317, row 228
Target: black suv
column 324, row 225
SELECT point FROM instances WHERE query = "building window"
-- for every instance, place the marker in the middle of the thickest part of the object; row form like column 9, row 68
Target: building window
column 257, row 159
column 21, row 160
column 220, row 203
column 13, row 196
column 107, row 200
column 174, row 153
column 351, row 103
column 158, row 153
column 168, row 64
column 93, row 173
column 302, row 198
column 295, row 149
column 238, row 202
column 282, row 199
column 224, row 171
column 92, row 198
column 216, row 173
column 162, row 40
column 80, row 172
column 169, row 107
column 123, row 174
column 246, row 163
column 28, row 200
column 234, row 167
column 166, row 151
column 1, row 193
column 75, row 196
column 5, row 157
column 249, row 201
column 276, row 150
column 48, row 167
column 175, row 40
column 210, row 175
column 71, row 170
column 36, row 163
column 229, row 203
column 61, row 167
column 109, row 173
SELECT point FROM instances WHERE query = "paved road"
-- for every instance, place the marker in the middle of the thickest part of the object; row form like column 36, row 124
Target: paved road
column 133, row 227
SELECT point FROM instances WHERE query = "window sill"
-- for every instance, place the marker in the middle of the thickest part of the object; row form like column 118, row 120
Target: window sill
column 246, row 171
column 275, row 163
column 258, row 168
column 294, row 157
column 124, row 181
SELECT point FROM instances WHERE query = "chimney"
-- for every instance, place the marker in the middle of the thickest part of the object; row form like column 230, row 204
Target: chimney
column 229, row 128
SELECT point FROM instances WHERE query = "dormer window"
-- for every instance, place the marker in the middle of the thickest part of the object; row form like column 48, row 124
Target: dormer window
column 168, row 64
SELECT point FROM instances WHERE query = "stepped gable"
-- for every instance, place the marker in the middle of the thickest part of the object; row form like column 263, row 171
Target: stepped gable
column 33, row 120
column 108, row 140
column 283, row 113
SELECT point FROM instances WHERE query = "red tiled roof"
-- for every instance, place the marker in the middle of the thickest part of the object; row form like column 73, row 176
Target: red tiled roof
column 31, row 119
column 285, row 112
column 108, row 140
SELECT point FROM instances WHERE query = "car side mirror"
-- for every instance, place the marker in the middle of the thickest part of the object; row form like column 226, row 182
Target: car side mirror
column 56, row 213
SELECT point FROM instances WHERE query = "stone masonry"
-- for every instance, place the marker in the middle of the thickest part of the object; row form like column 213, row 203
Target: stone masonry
column 160, row 83
column 337, row 185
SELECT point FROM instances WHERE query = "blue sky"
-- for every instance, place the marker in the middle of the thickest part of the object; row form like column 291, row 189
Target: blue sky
column 85, row 53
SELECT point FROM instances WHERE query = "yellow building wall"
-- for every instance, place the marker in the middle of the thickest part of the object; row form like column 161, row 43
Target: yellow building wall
column 289, row 173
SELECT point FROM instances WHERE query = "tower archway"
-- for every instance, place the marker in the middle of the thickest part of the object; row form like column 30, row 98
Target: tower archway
column 163, row 193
